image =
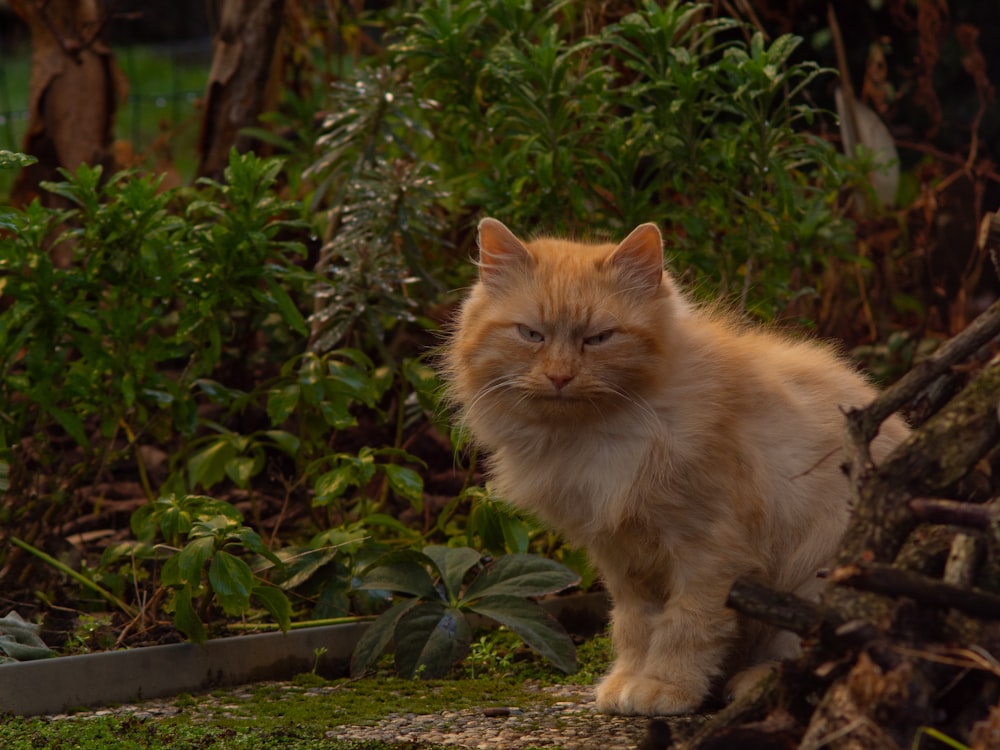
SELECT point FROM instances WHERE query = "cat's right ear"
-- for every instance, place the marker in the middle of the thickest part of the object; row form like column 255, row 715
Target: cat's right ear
column 499, row 251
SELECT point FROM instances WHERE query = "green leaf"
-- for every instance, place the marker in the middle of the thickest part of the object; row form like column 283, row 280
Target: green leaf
column 333, row 484
column 252, row 541
column 15, row 159
column 71, row 423
column 286, row 442
column 289, row 312
column 186, row 619
column 406, row 483
column 274, row 601
column 430, row 639
column 522, row 575
column 404, row 571
column 282, row 402
column 299, row 565
column 191, row 560
column 533, row 625
column 232, row 581
column 241, row 470
column 377, row 637
column 453, row 563
column 208, row 466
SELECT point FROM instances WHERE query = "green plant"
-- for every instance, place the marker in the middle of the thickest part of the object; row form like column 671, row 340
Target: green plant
column 491, row 654
column 665, row 115
column 382, row 217
column 112, row 344
column 430, row 626
column 201, row 533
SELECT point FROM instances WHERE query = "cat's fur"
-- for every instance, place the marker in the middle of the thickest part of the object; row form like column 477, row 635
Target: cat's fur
column 680, row 449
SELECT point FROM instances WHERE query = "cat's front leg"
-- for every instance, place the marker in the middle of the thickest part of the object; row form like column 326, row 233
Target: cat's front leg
column 666, row 661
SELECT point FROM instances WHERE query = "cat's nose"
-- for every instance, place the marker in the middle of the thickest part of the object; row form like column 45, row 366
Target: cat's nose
column 560, row 381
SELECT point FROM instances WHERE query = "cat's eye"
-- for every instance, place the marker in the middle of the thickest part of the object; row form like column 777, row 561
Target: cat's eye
column 530, row 335
column 598, row 338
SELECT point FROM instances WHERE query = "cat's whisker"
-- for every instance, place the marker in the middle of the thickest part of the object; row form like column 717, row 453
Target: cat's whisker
column 488, row 390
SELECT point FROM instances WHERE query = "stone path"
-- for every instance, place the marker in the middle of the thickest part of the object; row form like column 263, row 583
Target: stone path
column 564, row 717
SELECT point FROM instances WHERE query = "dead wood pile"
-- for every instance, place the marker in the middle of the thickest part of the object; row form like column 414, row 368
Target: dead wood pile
column 903, row 650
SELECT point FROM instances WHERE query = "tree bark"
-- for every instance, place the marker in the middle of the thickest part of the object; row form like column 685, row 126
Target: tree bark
column 76, row 86
column 243, row 81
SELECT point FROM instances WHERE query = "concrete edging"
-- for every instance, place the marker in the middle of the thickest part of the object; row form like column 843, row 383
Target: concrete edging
column 57, row 685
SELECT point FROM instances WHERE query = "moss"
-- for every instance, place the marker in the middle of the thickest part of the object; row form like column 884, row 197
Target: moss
column 298, row 715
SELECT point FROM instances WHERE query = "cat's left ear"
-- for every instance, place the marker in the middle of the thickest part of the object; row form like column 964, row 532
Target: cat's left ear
column 639, row 257
column 499, row 251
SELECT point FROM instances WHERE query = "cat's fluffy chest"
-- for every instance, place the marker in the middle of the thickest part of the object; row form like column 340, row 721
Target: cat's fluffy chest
column 582, row 481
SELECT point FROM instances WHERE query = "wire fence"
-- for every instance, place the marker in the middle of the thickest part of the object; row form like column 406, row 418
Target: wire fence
column 165, row 84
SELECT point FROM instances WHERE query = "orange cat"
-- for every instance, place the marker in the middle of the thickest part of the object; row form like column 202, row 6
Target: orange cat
column 681, row 450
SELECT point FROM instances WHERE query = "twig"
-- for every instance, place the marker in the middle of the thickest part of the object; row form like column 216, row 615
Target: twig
column 954, row 512
column 929, row 462
column 864, row 423
column 890, row 581
column 778, row 608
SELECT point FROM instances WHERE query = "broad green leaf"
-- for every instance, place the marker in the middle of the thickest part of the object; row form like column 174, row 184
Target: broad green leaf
column 333, row 484
column 208, row 466
column 274, row 601
column 252, row 541
column 241, row 470
column 533, row 625
column 515, row 533
column 286, row 442
column 282, row 402
column 522, row 575
column 453, row 563
column 343, row 378
column 377, row 637
column 406, row 483
column 430, row 639
column 299, row 565
column 186, row 619
column 232, row 581
column 404, row 571
column 191, row 560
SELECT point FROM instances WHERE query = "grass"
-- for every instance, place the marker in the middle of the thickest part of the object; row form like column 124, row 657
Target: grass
column 298, row 716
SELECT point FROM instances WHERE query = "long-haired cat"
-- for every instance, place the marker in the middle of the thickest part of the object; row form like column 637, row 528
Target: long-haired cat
column 680, row 449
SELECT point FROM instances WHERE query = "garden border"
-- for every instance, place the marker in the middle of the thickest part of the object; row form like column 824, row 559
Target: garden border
column 61, row 684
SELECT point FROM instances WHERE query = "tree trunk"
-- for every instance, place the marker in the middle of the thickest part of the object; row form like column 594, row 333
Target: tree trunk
column 243, row 81
column 75, row 89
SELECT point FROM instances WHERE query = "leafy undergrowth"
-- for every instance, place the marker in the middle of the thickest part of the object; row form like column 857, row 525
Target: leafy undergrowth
column 500, row 672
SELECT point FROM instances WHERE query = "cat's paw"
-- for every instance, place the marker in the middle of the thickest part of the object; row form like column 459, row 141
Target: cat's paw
column 634, row 695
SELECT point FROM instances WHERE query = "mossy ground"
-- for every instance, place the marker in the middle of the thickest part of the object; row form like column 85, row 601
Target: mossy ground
column 298, row 716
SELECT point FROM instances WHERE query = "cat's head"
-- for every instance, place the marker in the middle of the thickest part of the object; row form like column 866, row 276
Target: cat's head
column 555, row 330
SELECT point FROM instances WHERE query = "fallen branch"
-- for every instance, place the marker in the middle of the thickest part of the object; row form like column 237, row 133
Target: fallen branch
column 863, row 423
column 890, row 581
column 778, row 608
column 929, row 462
column 955, row 512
